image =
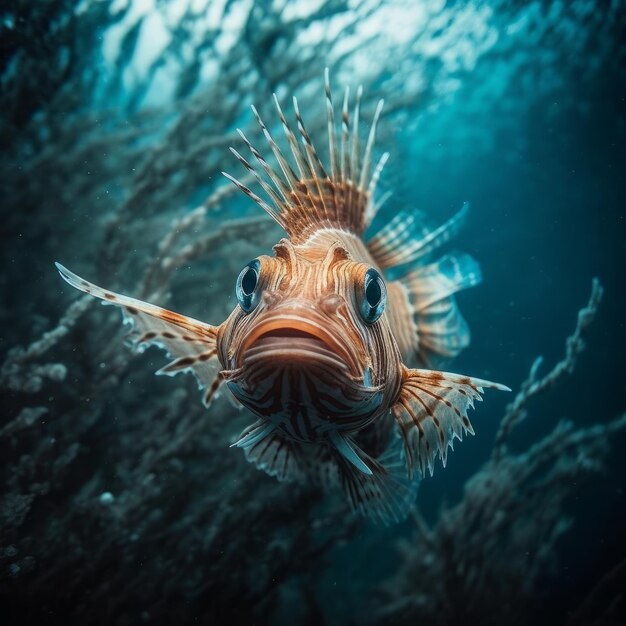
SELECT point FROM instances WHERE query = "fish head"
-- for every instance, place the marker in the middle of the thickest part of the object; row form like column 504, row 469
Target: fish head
column 310, row 337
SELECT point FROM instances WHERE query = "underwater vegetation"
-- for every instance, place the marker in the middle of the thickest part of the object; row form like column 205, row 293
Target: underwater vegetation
column 120, row 500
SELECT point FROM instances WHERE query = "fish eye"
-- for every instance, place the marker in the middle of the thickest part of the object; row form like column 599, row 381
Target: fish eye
column 247, row 284
column 372, row 296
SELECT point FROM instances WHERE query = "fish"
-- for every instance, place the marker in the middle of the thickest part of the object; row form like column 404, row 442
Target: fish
column 336, row 339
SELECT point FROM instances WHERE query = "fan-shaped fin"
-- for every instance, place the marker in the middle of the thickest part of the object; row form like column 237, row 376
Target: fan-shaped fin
column 191, row 343
column 407, row 239
column 440, row 330
column 431, row 411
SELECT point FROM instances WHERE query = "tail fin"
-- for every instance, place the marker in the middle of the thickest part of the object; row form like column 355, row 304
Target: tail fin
column 441, row 331
column 314, row 198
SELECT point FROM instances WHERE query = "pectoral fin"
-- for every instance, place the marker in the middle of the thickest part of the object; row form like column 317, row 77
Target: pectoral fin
column 431, row 411
column 191, row 343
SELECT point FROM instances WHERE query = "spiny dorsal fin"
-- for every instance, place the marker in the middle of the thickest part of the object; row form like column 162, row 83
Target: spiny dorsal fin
column 191, row 343
column 309, row 198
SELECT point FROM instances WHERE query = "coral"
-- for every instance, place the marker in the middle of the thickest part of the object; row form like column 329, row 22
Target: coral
column 21, row 371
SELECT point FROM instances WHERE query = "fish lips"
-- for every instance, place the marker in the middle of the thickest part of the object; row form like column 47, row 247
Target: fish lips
column 289, row 337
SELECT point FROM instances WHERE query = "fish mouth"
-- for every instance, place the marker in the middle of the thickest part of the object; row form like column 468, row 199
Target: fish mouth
column 291, row 339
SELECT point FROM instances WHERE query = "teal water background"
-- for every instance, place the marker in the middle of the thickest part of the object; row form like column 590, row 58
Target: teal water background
column 517, row 108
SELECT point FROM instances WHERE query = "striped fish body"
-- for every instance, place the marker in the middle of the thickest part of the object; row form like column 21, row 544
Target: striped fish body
column 303, row 358
column 336, row 361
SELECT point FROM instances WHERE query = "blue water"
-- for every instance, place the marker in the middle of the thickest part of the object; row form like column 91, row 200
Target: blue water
column 128, row 108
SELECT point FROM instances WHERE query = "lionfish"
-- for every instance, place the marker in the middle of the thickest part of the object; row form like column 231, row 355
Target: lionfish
column 333, row 358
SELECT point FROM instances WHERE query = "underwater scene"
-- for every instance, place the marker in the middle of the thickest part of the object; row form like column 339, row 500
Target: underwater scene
column 332, row 227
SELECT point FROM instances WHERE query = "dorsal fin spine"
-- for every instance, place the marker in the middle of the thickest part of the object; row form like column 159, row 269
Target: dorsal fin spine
column 264, row 205
column 346, row 176
column 308, row 180
column 367, row 159
column 373, row 207
column 345, row 137
column 354, row 166
column 289, row 174
column 303, row 166
column 278, row 183
column 314, row 161
column 268, row 190
column 332, row 137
